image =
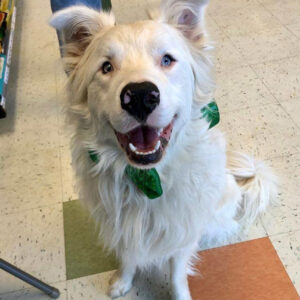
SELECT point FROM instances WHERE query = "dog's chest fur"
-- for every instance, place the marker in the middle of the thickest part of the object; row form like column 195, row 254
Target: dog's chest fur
column 132, row 224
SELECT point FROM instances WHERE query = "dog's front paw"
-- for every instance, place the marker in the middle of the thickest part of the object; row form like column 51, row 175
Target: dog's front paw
column 119, row 287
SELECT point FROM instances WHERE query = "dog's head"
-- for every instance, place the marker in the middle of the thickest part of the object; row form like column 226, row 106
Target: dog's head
column 136, row 85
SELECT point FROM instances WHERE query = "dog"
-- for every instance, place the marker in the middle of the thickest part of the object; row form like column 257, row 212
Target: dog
column 137, row 94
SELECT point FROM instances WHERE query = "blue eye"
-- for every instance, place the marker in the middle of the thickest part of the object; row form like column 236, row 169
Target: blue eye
column 167, row 60
column 107, row 67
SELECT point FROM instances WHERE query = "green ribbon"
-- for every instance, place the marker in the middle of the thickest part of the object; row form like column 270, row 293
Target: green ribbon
column 211, row 113
column 148, row 181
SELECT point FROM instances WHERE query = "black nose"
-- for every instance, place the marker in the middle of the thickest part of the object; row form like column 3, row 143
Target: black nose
column 140, row 99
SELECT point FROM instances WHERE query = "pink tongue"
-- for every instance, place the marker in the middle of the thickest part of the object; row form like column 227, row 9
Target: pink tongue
column 143, row 137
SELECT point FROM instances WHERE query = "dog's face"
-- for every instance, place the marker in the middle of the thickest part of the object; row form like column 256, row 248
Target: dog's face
column 138, row 80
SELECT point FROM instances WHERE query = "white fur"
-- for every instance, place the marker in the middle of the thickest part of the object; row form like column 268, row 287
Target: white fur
column 206, row 197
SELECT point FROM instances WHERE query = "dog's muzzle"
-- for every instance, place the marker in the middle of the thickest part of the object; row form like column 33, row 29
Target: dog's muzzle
column 144, row 145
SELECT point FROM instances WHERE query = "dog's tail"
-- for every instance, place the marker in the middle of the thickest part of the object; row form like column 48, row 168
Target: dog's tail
column 257, row 183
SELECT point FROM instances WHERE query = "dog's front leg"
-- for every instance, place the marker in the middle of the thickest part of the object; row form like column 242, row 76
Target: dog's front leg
column 121, row 282
column 179, row 268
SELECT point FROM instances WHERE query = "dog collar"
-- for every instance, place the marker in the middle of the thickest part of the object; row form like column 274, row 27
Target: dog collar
column 148, row 181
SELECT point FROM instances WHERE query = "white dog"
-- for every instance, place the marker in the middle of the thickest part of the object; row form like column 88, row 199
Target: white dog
column 138, row 98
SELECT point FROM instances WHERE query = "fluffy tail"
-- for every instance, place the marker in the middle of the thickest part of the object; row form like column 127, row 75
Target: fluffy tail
column 257, row 183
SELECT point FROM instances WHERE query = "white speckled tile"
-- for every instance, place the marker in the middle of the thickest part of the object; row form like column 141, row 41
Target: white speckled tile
column 245, row 20
column 288, row 249
column 68, row 178
column 226, row 56
column 293, row 109
column 263, row 131
column 30, row 180
column 286, row 11
column 129, row 12
column 282, row 77
column 33, row 240
column 267, row 45
column 213, row 29
column 285, row 216
column 295, row 29
column 124, row 3
column 69, row 191
column 35, row 294
column 225, row 8
column 66, row 161
column 241, row 89
column 146, row 287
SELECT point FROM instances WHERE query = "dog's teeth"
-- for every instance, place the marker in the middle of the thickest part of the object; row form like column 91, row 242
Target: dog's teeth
column 157, row 145
column 132, row 147
column 160, row 131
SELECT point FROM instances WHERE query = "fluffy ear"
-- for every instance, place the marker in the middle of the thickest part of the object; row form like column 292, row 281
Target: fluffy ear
column 185, row 15
column 77, row 25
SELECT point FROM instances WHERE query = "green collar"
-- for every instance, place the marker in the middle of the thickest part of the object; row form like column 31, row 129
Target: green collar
column 148, row 181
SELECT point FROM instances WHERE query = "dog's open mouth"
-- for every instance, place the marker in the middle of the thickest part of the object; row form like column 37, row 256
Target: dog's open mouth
column 145, row 145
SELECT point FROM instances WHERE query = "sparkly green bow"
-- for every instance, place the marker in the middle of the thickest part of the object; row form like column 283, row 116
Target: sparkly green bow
column 148, row 181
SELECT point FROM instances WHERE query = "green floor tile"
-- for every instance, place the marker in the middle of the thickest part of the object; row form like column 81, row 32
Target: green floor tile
column 84, row 254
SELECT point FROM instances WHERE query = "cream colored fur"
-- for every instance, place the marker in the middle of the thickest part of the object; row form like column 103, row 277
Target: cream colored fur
column 208, row 196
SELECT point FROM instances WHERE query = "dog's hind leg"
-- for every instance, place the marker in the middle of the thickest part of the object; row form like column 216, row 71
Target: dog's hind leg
column 121, row 282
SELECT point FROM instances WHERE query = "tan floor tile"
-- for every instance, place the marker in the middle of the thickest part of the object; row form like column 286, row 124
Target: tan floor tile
column 248, row 19
column 288, row 249
column 263, row 132
column 129, row 13
column 293, row 108
column 213, row 29
column 226, row 56
column 286, row 11
column 69, row 191
column 295, row 29
column 30, row 180
column 225, row 8
column 241, row 89
column 285, row 216
column 68, row 176
column 267, row 45
column 281, row 77
column 33, row 241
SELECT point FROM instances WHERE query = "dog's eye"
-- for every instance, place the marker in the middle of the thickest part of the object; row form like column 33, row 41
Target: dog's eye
column 167, row 60
column 107, row 67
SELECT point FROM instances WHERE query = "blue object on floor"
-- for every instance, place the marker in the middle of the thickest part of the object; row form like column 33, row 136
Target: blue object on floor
column 60, row 4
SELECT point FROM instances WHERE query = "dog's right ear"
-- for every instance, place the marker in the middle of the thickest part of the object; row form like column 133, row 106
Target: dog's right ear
column 77, row 25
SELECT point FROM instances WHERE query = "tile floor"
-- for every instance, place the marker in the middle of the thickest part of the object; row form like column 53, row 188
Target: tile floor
column 258, row 91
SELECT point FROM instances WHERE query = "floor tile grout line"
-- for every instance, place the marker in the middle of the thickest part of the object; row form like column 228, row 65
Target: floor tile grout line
column 279, row 103
column 247, row 107
column 284, row 25
column 29, row 209
column 242, row 55
column 284, row 233
column 276, row 60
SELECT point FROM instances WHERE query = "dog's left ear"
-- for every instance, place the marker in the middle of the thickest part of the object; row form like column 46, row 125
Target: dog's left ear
column 186, row 15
